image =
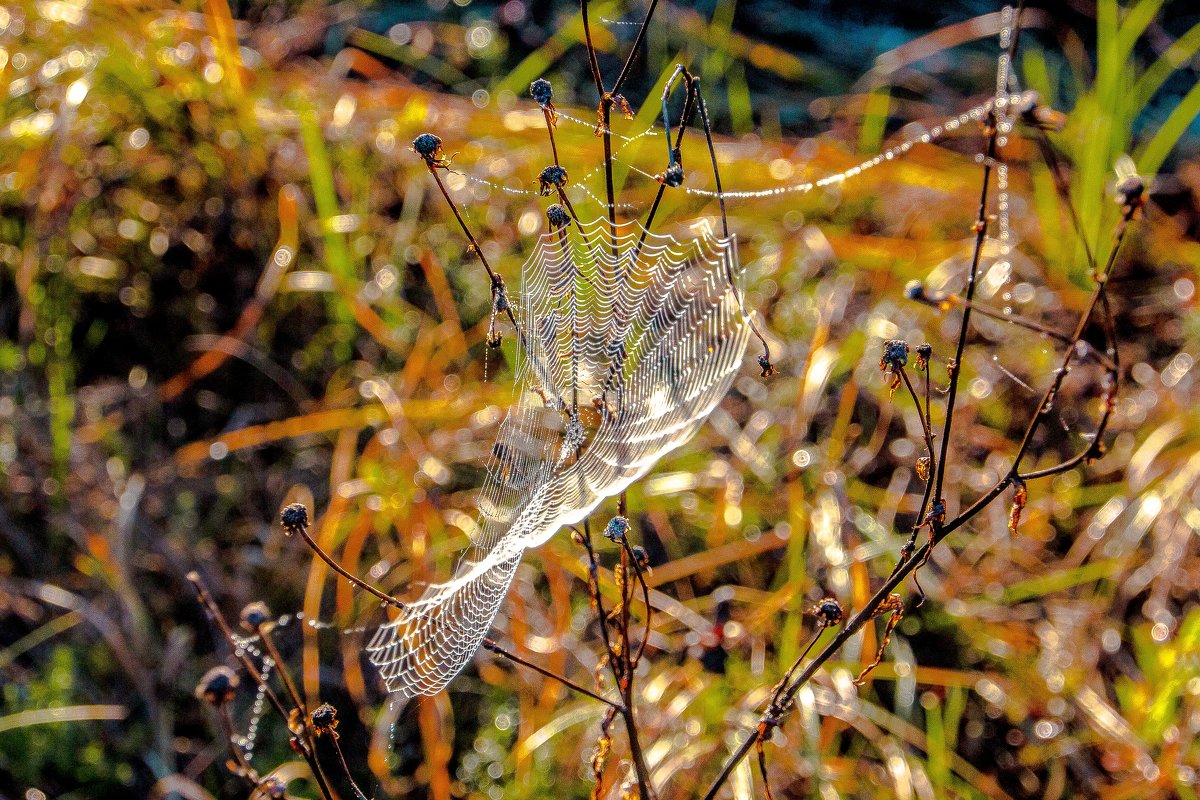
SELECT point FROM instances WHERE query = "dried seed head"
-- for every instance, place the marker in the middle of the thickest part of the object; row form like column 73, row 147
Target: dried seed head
column 915, row 290
column 324, row 720
column 541, row 91
column 924, row 351
column 429, row 148
column 672, row 176
column 558, row 217
column 551, row 178
column 427, row 145
column 616, row 529
column 641, row 557
column 294, row 517
column 494, row 340
column 218, row 686
column 895, row 355
column 255, row 615
column 828, row 612
column 768, row 369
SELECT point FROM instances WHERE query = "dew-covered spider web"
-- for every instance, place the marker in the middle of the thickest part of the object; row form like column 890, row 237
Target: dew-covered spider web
column 628, row 341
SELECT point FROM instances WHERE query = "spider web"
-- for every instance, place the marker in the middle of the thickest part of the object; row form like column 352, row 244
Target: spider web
column 629, row 339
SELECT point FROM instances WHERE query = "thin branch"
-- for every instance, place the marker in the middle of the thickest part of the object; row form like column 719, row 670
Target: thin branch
column 993, row 132
column 637, row 44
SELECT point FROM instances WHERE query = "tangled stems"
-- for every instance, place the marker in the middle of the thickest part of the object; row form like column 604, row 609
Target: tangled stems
column 303, row 737
column 620, row 660
column 1131, row 202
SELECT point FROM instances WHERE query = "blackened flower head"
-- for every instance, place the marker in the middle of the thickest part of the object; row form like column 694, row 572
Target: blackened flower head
column 551, row 178
column 616, row 529
column 924, row 351
column 541, row 91
column 324, row 720
column 557, row 216
column 1129, row 191
column 255, row 615
column 218, row 686
column 936, row 514
column 672, row 176
column 641, row 557
column 828, row 611
column 429, row 147
column 499, row 294
column 294, row 517
column 895, row 355
column 764, row 363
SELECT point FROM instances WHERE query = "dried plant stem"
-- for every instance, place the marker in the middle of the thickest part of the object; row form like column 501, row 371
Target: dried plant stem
column 346, row 767
column 870, row 609
column 550, row 132
column 304, row 738
column 285, row 674
column 302, row 530
column 940, row 530
column 1044, row 408
column 782, row 697
column 491, row 646
column 989, row 159
column 620, row 664
column 637, row 45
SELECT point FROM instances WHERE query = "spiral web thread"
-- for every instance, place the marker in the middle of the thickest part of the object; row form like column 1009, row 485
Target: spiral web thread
column 630, row 340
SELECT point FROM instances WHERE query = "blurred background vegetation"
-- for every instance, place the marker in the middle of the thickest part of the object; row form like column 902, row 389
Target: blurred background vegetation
column 225, row 285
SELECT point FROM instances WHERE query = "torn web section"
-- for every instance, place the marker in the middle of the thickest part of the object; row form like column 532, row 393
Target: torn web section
column 630, row 339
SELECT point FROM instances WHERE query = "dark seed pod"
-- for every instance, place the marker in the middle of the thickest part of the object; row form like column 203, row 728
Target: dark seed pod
column 294, row 517
column 764, row 363
column 828, row 611
column 616, row 529
column 255, row 615
column 915, row 290
column 427, row 145
column 551, row 178
column 641, row 557
column 541, row 91
column 324, row 719
column 924, row 351
column 672, row 176
column 557, row 216
column 218, row 686
column 895, row 355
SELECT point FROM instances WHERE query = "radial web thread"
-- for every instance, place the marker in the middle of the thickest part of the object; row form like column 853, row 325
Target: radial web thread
column 629, row 340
